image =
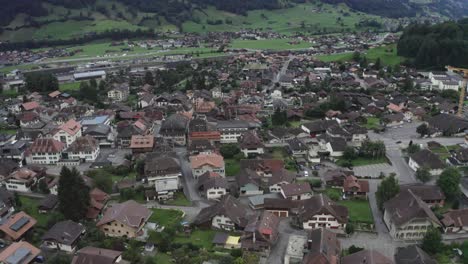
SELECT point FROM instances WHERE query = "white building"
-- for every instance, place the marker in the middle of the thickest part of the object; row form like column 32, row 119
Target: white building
column 68, row 132
column 321, row 212
column 45, row 151
column 22, row 180
column 203, row 163
column 84, row 149
column 231, row 130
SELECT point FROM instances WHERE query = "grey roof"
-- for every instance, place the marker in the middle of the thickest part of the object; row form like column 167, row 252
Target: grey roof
column 158, row 165
column 366, row 256
column 425, row 158
column 258, row 200
column 323, row 247
column 49, row 202
column 448, row 124
column 319, row 204
column 228, row 206
column 413, row 255
column 100, row 129
column 407, row 206
column 232, row 124
column 93, row 255
column 65, row 232
column 424, row 191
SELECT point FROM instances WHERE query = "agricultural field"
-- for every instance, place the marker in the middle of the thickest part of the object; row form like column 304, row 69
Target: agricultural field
column 310, row 17
column 269, row 44
column 387, row 54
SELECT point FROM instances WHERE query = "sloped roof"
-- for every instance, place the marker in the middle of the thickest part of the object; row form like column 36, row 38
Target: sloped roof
column 366, row 256
column 93, row 255
column 129, row 213
column 65, row 232
column 227, row 206
column 212, row 159
column 322, row 204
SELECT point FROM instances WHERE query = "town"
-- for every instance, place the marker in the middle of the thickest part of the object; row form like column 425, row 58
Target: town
column 255, row 157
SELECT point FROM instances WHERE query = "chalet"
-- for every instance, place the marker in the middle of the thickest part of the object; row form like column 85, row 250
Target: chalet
column 164, row 172
column 261, row 233
column 88, row 255
column 124, row 219
column 432, row 195
column 354, row 188
column 22, row 180
column 84, row 149
column 63, row 236
column 142, row 144
column 321, row 212
column 202, row 163
column 45, row 151
column 322, row 246
column 251, row 144
column 296, row 191
column 119, row 92
column 366, row 256
column 413, row 254
column 68, row 132
column 174, row 129
column 212, row 185
column 426, row 159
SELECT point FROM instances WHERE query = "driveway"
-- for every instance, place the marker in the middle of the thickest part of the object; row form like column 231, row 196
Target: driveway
column 278, row 251
column 190, row 189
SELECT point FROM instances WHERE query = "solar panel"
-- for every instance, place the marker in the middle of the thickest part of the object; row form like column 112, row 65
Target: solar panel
column 19, row 224
column 18, row 256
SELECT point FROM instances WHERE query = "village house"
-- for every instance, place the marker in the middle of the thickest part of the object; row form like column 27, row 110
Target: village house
column 45, row 151
column 227, row 214
column 16, row 226
column 68, row 132
column 142, row 144
column 63, row 236
column 174, row 129
column 322, row 246
column 251, row 144
column 366, row 256
column 84, row 149
column 11, row 253
column 97, row 201
column 354, row 188
column 88, row 255
column 212, row 185
column 432, row 195
column 413, row 254
column 22, row 180
column 456, row 222
column 124, row 219
column 231, row 130
column 261, row 233
column 408, row 217
column 426, row 159
column 296, row 191
column 202, row 163
column 164, row 173
column 119, row 92
column 321, row 212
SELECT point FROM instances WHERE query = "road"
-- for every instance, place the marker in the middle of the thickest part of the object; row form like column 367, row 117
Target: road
column 279, row 249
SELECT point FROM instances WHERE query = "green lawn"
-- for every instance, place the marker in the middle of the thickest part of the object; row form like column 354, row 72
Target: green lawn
column 201, row 238
column 387, row 54
column 359, row 211
column 232, row 167
column 73, row 86
column 333, row 193
column 372, row 123
column 295, row 124
column 166, row 217
column 268, row 44
column 179, row 200
column 30, row 205
column 336, row 57
column 8, row 131
column 162, row 258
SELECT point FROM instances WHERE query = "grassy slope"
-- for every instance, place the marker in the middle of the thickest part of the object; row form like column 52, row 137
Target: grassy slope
column 387, row 54
column 315, row 19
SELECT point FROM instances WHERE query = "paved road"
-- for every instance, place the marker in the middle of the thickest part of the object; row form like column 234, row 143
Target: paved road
column 278, row 251
column 188, row 181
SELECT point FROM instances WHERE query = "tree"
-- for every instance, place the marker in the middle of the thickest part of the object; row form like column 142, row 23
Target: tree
column 423, row 174
column 349, row 153
column 378, row 64
column 411, row 149
column 43, row 188
column 17, row 199
column 408, row 84
column 432, row 241
column 422, row 130
column 73, row 194
column 103, row 182
column 149, row 79
column 349, row 228
column 279, row 118
column 41, row 82
column 353, row 249
column 307, row 84
column 449, row 182
column 228, row 151
column 386, row 190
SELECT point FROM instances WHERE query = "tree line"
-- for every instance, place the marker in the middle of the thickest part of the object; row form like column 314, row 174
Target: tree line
column 435, row 46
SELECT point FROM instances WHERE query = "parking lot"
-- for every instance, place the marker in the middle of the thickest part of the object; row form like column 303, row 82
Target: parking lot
column 374, row 170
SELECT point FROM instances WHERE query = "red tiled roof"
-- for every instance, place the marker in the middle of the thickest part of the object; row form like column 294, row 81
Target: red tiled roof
column 46, row 145
column 6, row 227
column 213, row 159
column 30, row 106
column 71, row 127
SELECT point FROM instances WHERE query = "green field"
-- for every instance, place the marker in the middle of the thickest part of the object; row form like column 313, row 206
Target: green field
column 361, row 161
column 307, row 18
column 201, row 238
column 232, row 167
column 179, row 200
column 359, row 211
column 29, row 206
column 387, row 54
column 372, row 123
column 335, row 57
column 73, row 86
column 269, row 44
column 166, row 217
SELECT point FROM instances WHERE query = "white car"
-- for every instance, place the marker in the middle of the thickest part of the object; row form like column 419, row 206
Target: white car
column 306, row 174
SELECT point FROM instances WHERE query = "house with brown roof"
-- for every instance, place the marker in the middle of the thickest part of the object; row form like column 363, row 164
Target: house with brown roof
column 84, row 149
column 124, row 219
column 164, row 172
column 432, row 195
column 202, row 163
column 19, row 252
column 22, row 180
column 321, row 212
column 63, row 236
column 426, row 159
column 97, row 201
column 408, row 217
column 227, row 214
column 251, row 144
column 296, row 191
column 366, row 256
column 45, row 151
column 93, row 255
column 29, row 106
column 336, row 177
column 261, row 233
column 212, row 185
column 456, row 221
column 413, row 254
column 323, row 247
column 68, row 132
column 142, row 143
column 355, row 188
column 17, row 225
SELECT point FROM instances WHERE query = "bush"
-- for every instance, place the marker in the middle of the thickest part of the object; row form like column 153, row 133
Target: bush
column 349, row 228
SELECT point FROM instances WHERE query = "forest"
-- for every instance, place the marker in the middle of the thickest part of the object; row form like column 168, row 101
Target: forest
column 436, row 46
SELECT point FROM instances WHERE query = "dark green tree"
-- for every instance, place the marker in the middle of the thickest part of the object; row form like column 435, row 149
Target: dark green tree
column 43, row 188
column 73, row 194
column 386, row 190
column 411, row 149
column 422, row 130
column 449, row 182
column 378, row 64
column 41, row 82
column 423, row 174
column 149, row 79
column 432, row 241
column 229, row 150
column 279, row 118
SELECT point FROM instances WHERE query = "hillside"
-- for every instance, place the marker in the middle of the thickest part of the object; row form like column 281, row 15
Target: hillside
column 26, row 20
